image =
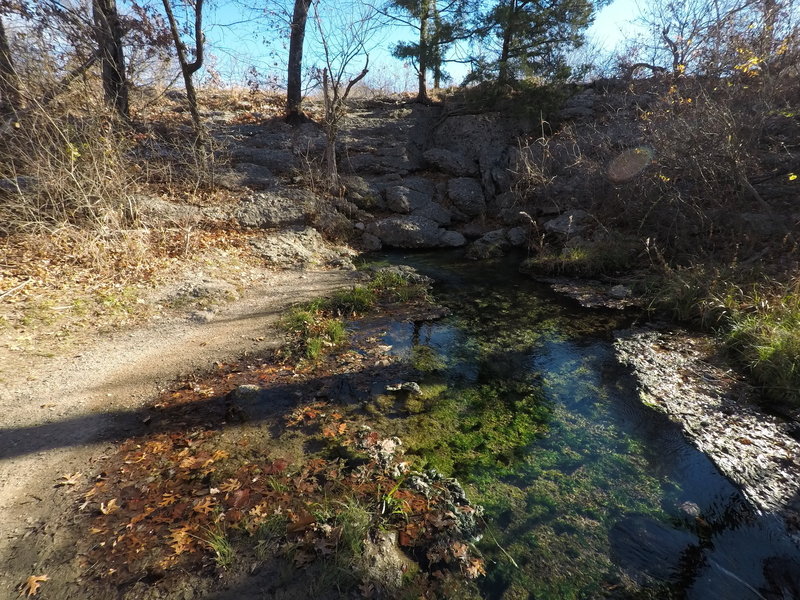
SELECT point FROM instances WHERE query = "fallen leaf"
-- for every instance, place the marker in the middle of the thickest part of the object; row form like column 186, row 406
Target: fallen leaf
column 69, row 479
column 32, row 584
column 109, row 508
column 475, row 568
column 204, row 506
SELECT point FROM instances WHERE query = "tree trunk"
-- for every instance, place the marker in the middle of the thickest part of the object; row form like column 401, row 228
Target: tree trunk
column 436, row 55
column 424, row 15
column 108, row 31
column 10, row 98
column 504, row 74
column 294, row 79
column 188, row 69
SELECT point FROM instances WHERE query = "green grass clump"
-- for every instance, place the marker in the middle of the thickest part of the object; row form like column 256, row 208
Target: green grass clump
column 758, row 324
column 354, row 301
column 311, row 331
column 219, row 543
column 396, row 287
column 609, row 254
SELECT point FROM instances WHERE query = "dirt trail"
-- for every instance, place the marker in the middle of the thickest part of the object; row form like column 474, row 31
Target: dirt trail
column 77, row 406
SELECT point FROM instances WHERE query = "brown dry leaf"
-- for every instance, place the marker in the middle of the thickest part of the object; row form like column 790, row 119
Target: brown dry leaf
column 475, row 568
column 180, row 539
column 32, row 584
column 230, row 485
column 204, row 506
column 109, row 508
column 168, row 499
column 69, row 479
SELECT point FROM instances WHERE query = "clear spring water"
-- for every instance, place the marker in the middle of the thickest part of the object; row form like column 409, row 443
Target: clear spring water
column 588, row 492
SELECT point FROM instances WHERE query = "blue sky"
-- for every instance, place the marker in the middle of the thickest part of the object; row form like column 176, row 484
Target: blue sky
column 241, row 44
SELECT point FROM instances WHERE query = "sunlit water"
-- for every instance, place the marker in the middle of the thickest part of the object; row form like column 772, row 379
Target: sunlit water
column 589, row 492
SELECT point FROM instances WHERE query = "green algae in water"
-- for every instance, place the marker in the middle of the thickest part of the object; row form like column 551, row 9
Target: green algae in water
column 534, row 443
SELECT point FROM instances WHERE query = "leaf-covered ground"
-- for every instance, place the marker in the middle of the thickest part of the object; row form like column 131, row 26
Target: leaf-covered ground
column 269, row 465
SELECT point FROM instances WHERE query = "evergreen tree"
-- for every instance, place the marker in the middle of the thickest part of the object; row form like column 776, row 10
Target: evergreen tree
column 533, row 34
column 439, row 25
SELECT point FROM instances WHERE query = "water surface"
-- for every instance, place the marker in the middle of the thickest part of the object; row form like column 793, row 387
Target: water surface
column 588, row 492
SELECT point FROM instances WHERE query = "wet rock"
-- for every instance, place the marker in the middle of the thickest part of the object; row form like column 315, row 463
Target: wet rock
column 466, row 194
column 493, row 244
column 452, row 239
column 569, row 224
column 271, row 209
column 517, row 236
column 451, row 163
column 412, row 387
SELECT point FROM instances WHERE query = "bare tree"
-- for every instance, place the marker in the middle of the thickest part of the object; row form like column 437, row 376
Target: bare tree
column 344, row 37
column 108, row 33
column 188, row 69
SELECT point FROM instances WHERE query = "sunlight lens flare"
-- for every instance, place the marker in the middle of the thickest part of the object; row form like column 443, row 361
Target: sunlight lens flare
column 629, row 164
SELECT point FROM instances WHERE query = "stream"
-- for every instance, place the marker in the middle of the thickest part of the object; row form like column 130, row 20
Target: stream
column 588, row 492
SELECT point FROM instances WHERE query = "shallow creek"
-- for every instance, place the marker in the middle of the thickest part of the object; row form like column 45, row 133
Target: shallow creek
column 588, row 492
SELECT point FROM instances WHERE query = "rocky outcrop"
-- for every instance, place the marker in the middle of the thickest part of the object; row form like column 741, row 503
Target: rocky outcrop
column 300, row 248
column 569, row 224
column 413, row 231
column 451, row 163
column 286, row 208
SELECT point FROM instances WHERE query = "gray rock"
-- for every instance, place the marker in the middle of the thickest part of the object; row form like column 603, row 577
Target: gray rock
column 298, row 248
column 412, row 387
column 421, row 184
column 269, row 209
column 467, row 195
column 276, row 160
column 401, row 199
column 151, row 209
column 370, row 243
column 361, row 192
column 451, row 162
column 452, row 239
column 247, row 175
column 495, row 243
column 383, row 564
column 619, row 292
column 517, row 236
column 435, row 212
column 412, row 231
column 570, row 223
column 579, row 106
column 19, row 184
